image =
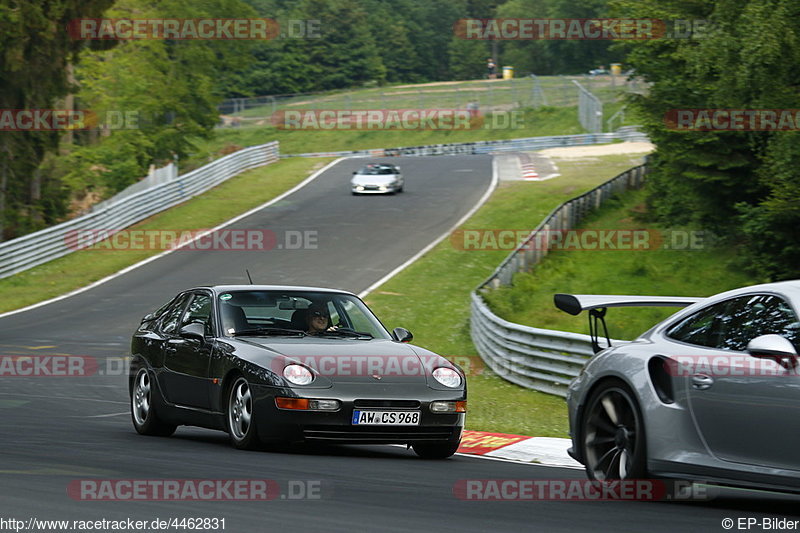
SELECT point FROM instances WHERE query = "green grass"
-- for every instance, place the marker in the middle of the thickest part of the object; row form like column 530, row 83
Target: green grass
column 559, row 90
column 702, row 271
column 560, row 117
column 431, row 297
column 207, row 210
column 489, row 94
column 545, row 121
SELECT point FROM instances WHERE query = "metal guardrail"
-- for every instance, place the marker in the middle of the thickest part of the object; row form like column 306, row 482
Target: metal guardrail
column 627, row 133
column 540, row 359
column 51, row 243
column 534, row 358
column 154, row 178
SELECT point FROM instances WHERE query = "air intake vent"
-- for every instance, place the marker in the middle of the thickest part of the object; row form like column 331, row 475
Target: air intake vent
column 398, row 404
column 661, row 379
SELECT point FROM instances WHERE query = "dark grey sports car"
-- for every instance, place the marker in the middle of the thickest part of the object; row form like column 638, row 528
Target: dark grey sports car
column 287, row 364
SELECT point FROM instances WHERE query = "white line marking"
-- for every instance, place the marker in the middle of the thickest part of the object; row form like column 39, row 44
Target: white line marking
column 162, row 254
column 501, row 459
column 103, row 416
column 439, row 239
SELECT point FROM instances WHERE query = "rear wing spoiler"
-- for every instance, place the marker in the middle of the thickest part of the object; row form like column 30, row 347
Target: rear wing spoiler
column 575, row 303
column 597, row 305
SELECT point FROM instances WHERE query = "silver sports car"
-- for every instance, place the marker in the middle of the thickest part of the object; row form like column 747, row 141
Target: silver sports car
column 377, row 179
column 710, row 394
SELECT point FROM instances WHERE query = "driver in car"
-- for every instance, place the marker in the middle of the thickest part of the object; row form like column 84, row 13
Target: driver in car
column 319, row 320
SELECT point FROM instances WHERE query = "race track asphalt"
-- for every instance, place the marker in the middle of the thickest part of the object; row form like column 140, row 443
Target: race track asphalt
column 56, row 430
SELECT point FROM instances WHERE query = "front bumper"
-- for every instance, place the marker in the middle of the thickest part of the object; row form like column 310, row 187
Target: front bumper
column 374, row 189
column 276, row 424
column 574, row 412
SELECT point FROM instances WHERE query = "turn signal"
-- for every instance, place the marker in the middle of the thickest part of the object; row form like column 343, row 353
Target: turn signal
column 292, row 403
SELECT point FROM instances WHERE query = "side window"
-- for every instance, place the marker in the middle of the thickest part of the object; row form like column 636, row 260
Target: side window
column 199, row 310
column 703, row 328
column 730, row 325
column 169, row 322
column 148, row 325
column 762, row 314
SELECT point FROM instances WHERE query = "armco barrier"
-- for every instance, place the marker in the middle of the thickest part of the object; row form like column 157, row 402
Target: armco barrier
column 627, row 133
column 36, row 248
column 540, row 359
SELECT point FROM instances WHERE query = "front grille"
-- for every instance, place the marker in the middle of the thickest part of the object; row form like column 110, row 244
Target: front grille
column 391, row 404
column 375, row 435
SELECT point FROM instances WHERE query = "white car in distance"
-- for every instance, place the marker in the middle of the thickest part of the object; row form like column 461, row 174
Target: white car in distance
column 377, row 179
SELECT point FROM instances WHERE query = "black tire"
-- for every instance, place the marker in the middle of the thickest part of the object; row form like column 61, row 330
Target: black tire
column 435, row 450
column 613, row 443
column 143, row 408
column 239, row 416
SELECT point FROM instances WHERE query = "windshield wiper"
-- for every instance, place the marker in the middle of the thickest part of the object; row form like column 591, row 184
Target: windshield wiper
column 270, row 331
column 347, row 333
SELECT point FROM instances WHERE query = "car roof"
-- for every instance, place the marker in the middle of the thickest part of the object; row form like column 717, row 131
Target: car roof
column 231, row 288
column 789, row 286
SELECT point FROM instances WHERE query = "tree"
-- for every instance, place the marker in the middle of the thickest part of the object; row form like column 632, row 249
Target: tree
column 170, row 88
column 468, row 59
column 738, row 183
column 35, row 49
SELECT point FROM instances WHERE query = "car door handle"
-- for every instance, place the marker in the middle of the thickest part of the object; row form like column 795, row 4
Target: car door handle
column 172, row 345
column 702, row 381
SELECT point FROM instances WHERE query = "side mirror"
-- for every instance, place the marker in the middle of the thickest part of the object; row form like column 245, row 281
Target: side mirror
column 773, row 347
column 355, row 172
column 193, row 330
column 402, row 335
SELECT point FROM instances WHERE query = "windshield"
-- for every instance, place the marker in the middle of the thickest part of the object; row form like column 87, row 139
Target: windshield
column 291, row 313
column 373, row 171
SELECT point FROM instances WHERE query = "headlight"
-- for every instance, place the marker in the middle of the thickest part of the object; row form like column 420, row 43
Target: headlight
column 447, row 377
column 298, row 374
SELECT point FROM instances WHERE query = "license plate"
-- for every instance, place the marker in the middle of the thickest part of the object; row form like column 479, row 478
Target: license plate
column 385, row 418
